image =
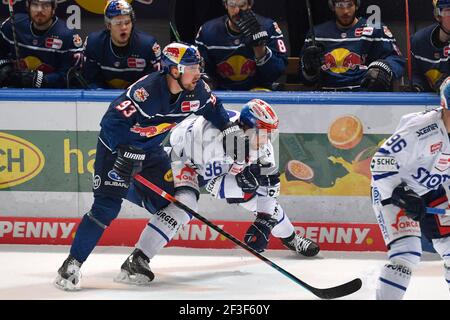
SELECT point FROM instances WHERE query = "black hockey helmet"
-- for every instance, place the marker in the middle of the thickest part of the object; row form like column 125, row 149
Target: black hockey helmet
column 250, row 2
column 331, row 3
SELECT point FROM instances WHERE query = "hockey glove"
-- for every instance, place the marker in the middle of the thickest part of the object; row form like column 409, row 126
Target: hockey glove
column 28, row 79
column 405, row 198
column 6, row 68
column 247, row 181
column 257, row 236
column 378, row 77
column 236, row 145
column 251, row 29
column 312, row 60
column 128, row 162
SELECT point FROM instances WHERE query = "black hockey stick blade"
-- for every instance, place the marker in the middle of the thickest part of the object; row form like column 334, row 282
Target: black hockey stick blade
column 339, row 291
column 327, row 293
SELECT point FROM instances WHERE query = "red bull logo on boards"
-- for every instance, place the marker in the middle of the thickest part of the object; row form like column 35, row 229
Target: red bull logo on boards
column 236, row 68
column 341, row 60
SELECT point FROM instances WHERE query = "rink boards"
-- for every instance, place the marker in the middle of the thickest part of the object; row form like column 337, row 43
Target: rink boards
column 47, row 151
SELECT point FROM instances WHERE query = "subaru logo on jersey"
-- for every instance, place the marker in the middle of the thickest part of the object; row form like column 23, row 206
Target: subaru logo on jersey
column 53, row 43
column 190, row 106
column 136, row 63
column 114, row 176
column 140, row 95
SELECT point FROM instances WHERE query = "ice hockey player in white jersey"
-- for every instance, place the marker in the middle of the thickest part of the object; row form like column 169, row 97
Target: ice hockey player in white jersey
column 410, row 172
column 198, row 159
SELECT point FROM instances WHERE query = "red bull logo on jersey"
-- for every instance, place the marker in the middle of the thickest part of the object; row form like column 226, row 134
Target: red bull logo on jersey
column 236, row 68
column 34, row 63
column 152, row 131
column 341, row 60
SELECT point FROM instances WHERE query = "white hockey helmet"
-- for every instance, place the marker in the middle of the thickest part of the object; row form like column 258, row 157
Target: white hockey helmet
column 259, row 114
column 445, row 93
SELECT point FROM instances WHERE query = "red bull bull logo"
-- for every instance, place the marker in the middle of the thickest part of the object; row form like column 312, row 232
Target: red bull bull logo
column 236, row 68
column 34, row 63
column 341, row 60
column 152, row 131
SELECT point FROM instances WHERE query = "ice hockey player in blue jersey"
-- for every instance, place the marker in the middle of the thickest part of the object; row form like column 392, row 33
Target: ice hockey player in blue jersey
column 350, row 54
column 132, row 131
column 242, row 50
column 198, row 159
column 46, row 48
column 409, row 174
column 430, row 49
column 120, row 54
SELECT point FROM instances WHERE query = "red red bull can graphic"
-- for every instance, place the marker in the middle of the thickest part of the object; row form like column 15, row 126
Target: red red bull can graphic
column 341, row 60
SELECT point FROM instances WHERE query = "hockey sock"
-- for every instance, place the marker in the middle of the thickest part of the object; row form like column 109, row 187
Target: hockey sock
column 163, row 226
column 393, row 282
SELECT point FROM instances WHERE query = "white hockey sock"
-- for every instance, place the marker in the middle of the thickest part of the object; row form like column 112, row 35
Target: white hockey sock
column 393, row 282
column 447, row 273
column 163, row 226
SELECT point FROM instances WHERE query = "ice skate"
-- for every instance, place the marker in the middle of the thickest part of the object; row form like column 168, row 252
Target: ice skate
column 301, row 245
column 135, row 270
column 69, row 275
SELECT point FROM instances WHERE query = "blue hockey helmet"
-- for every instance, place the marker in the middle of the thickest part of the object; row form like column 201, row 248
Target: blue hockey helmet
column 180, row 55
column 332, row 2
column 259, row 114
column 440, row 5
column 116, row 8
column 445, row 93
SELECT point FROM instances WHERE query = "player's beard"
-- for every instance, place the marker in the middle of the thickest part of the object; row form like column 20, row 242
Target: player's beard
column 348, row 22
column 41, row 21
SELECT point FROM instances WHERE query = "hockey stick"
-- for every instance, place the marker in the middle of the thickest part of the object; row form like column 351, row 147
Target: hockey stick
column 172, row 24
column 439, row 211
column 311, row 23
column 408, row 40
column 13, row 28
column 327, row 293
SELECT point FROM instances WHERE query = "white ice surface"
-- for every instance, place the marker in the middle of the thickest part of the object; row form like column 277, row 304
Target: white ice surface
column 27, row 272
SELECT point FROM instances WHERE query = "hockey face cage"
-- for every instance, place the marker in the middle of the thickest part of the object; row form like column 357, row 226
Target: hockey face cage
column 181, row 56
column 332, row 3
column 117, row 8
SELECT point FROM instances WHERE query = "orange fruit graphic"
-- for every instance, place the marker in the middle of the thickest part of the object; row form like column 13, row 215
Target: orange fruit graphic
column 297, row 170
column 345, row 132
